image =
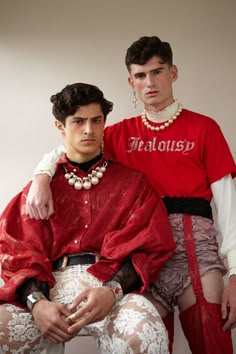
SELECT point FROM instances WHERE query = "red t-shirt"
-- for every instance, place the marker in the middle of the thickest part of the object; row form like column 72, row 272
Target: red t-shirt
column 180, row 161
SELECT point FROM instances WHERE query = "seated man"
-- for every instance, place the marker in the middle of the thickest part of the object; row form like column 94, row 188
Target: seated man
column 109, row 236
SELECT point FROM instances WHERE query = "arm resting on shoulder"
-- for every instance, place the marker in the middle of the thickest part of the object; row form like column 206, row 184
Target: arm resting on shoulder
column 39, row 203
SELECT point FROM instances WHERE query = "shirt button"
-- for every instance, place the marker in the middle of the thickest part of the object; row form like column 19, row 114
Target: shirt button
column 75, row 241
column 86, row 202
column 86, row 226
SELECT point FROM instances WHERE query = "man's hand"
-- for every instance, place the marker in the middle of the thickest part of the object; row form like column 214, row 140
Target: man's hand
column 50, row 319
column 228, row 306
column 39, row 204
column 98, row 303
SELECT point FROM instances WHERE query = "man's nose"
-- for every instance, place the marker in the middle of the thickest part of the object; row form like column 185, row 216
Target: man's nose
column 150, row 80
column 88, row 128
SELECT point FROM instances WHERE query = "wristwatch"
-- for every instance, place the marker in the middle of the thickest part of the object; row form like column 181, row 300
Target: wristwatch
column 116, row 289
column 33, row 298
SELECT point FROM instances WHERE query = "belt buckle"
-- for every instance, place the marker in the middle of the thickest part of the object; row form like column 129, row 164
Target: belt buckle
column 64, row 263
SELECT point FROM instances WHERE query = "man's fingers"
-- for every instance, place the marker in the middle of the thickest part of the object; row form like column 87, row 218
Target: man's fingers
column 32, row 212
column 76, row 323
column 43, row 212
column 224, row 309
column 231, row 322
column 50, row 209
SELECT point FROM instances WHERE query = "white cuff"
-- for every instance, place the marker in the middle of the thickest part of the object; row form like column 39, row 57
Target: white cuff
column 231, row 257
column 43, row 172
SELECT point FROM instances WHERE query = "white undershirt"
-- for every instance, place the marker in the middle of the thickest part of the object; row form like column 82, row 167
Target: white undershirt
column 224, row 196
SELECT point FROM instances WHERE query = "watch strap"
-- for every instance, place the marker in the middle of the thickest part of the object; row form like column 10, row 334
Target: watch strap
column 116, row 289
column 33, row 298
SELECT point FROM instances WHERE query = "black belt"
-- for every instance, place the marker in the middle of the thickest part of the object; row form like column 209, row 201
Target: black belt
column 192, row 206
column 73, row 259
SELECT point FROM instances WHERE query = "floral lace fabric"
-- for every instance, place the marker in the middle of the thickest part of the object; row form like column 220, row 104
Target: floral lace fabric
column 133, row 326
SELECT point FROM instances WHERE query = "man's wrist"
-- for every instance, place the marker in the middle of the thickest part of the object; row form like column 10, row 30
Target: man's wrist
column 33, row 298
column 231, row 257
column 116, row 288
column 43, row 172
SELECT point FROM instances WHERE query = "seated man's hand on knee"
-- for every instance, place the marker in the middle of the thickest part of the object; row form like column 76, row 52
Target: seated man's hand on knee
column 92, row 305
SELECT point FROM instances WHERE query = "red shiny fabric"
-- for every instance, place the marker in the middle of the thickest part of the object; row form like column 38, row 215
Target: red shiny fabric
column 169, row 324
column 118, row 218
column 202, row 325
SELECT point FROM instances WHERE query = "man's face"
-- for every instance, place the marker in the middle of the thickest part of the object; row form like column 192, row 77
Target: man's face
column 152, row 82
column 83, row 132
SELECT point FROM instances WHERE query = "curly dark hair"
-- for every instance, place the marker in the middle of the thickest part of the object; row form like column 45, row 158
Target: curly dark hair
column 71, row 97
column 145, row 48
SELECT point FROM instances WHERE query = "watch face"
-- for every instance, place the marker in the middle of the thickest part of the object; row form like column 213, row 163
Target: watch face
column 33, row 298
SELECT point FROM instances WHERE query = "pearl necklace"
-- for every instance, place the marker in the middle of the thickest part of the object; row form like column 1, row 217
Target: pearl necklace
column 166, row 124
column 87, row 182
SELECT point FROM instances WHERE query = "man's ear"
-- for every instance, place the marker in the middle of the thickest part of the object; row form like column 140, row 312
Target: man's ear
column 131, row 83
column 60, row 126
column 174, row 73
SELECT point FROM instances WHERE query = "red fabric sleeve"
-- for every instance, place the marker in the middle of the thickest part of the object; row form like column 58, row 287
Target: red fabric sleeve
column 24, row 248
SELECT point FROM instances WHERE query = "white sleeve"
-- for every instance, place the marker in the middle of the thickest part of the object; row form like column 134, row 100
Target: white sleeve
column 48, row 163
column 224, row 195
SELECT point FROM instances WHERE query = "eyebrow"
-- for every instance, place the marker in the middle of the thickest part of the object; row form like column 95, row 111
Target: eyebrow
column 151, row 71
column 96, row 117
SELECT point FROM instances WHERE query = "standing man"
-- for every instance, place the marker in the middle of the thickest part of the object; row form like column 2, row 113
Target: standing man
column 109, row 236
column 186, row 158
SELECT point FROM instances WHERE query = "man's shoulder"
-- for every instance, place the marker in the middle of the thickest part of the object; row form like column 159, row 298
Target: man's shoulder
column 199, row 118
column 124, row 123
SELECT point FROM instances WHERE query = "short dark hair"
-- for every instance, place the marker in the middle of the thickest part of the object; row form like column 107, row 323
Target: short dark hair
column 145, row 48
column 71, row 97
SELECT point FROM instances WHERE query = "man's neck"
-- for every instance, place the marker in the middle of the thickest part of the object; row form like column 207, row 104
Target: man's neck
column 164, row 114
column 85, row 166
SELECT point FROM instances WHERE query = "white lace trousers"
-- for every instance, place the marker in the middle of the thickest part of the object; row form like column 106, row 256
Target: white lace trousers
column 133, row 326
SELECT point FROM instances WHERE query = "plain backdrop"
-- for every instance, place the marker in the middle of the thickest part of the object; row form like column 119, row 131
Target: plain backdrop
column 47, row 44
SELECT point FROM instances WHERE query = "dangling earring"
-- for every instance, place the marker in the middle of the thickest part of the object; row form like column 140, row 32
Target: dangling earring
column 135, row 100
column 102, row 148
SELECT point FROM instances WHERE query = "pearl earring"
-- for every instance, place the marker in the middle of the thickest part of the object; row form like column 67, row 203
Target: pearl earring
column 135, row 100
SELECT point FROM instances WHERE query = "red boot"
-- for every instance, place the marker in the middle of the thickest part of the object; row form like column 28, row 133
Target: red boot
column 202, row 325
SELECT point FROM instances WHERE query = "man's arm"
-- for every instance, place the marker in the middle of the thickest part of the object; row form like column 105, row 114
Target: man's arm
column 224, row 195
column 39, row 204
column 48, row 163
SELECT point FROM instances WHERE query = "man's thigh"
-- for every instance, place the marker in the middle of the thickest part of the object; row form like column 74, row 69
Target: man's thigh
column 162, row 310
column 213, row 287
column 134, row 325
column 18, row 332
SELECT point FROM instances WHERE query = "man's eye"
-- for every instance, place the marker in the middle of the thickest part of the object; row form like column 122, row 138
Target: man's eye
column 140, row 76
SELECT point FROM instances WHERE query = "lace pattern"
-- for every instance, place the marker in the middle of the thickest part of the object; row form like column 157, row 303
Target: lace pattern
column 133, row 326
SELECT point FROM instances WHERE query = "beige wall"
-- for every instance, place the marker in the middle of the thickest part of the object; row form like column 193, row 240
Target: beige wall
column 47, row 44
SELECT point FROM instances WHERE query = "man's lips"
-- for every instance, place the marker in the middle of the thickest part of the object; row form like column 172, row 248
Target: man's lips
column 152, row 93
column 88, row 141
